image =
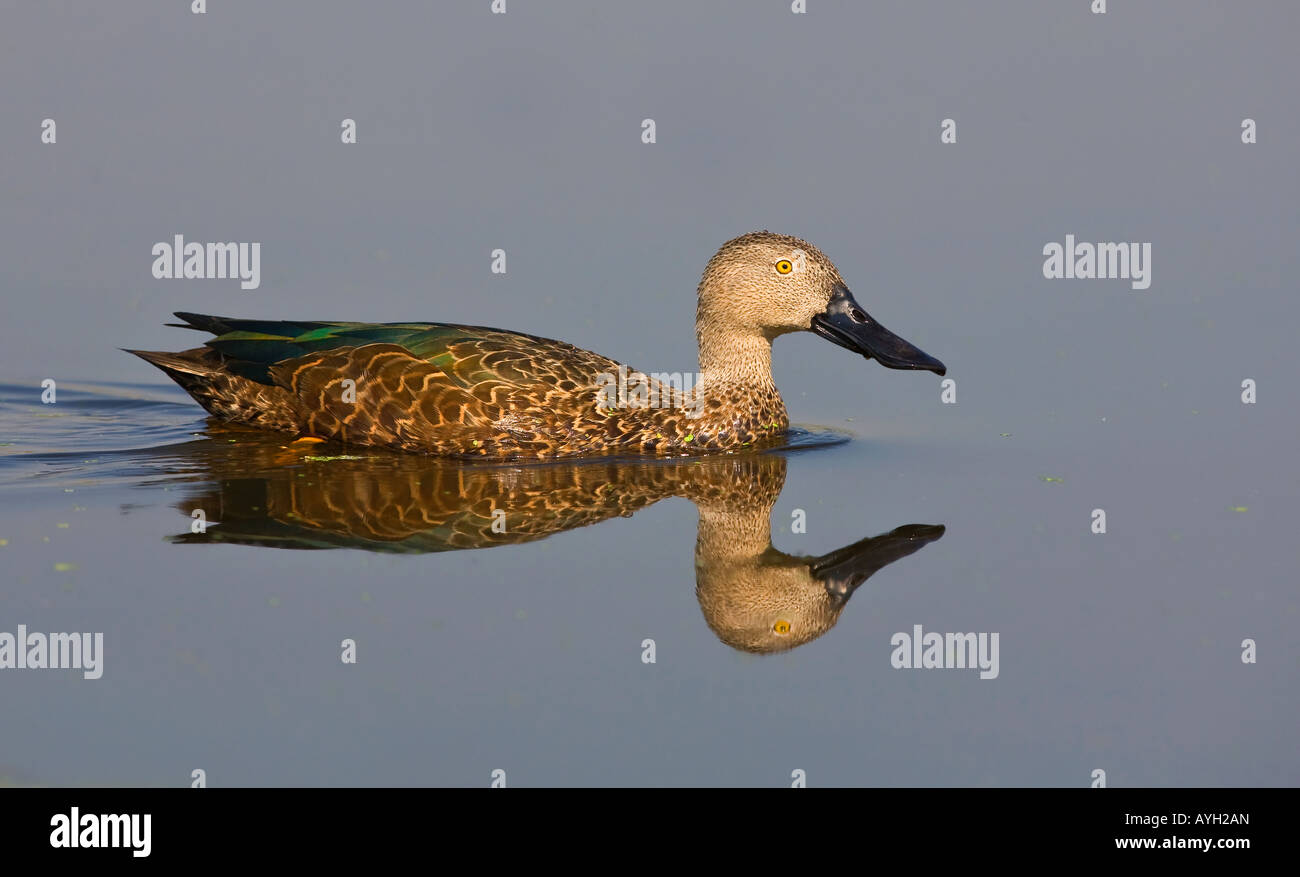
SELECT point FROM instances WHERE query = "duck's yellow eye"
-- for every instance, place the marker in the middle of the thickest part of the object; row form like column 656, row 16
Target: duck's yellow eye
column 781, row 628
column 784, row 267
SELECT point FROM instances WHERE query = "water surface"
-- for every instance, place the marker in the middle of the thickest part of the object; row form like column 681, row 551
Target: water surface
column 523, row 649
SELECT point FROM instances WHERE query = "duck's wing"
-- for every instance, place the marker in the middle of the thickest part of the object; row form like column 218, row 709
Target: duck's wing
column 434, row 387
column 467, row 355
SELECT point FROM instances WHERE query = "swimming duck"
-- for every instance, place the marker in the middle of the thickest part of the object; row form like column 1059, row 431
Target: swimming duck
column 475, row 392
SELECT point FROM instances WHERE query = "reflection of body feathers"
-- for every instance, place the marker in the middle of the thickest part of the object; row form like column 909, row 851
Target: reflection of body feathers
column 408, row 509
column 753, row 596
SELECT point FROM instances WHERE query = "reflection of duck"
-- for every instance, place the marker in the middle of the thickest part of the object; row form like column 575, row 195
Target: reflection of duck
column 469, row 391
column 753, row 596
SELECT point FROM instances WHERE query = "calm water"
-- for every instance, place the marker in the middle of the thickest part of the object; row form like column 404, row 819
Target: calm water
column 223, row 649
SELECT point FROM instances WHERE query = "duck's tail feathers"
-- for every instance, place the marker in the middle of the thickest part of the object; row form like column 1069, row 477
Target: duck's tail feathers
column 198, row 362
column 202, row 322
column 222, row 390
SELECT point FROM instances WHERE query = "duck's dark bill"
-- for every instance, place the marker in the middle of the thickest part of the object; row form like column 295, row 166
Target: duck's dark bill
column 848, row 325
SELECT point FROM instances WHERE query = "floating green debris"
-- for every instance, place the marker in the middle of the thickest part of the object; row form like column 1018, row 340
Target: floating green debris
column 1238, row 508
column 3, row 542
column 273, row 602
column 64, row 567
column 1051, row 479
column 1005, row 434
column 63, row 526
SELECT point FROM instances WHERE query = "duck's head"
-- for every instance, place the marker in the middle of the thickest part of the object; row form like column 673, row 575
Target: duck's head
column 765, row 284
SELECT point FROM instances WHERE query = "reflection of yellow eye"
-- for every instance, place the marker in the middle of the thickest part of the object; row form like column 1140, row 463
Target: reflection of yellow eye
column 781, row 628
column 784, row 267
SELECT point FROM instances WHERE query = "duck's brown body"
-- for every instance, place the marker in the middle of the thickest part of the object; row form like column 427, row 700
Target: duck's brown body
column 487, row 394
column 474, row 392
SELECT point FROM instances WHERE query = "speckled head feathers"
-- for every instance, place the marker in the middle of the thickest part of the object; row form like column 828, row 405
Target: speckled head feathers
column 765, row 283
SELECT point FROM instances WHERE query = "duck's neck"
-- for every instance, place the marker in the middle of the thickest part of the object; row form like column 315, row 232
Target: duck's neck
column 734, row 360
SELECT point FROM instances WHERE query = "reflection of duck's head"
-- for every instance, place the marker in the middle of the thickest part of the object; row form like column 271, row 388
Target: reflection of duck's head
column 763, row 608
column 758, row 599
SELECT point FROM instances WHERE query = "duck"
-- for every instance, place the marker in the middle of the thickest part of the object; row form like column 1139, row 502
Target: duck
column 472, row 392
